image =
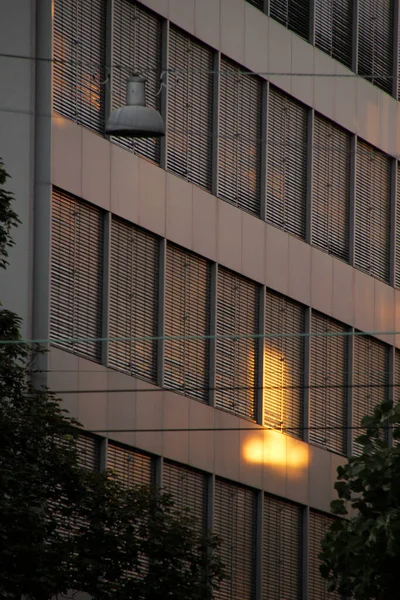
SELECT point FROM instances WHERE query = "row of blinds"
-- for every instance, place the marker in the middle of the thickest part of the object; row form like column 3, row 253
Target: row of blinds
column 76, row 275
column 283, row 364
column 319, row 523
column 286, row 163
column 236, row 346
column 130, row 466
column 396, row 383
column 189, row 491
column 79, row 61
column 187, row 319
column 282, row 551
column 334, row 29
column 331, row 188
column 133, row 300
column 235, row 513
column 190, row 108
column 239, row 137
column 136, row 48
column 88, row 452
column 372, row 211
column 370, row 380
column 293, row 14
column 376, row 42
column 328, row 389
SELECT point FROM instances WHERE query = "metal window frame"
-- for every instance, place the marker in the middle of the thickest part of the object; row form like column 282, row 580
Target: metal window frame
column 310, row 176
column 350, row 395
column 352, row 199
column 161, row 312
column 106, row 288
column 307, row 359
column 393, row 222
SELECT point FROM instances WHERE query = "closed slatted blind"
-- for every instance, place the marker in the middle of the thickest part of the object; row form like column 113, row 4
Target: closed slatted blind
column 235, row 523
column 131, row 467
column 397, row 240
column 133, row 301
column 190, row 96
column 331, row 188
column 370, row 379
column 293, row 14
column 375, row 42
column 396, row 381
column 283, row 364
column 257, row 3
column 286, row 164
column 239, row 137
column 76, row 275
column 334, row 29
column 372, row 212
column 136, row 47
column 187, row 315
column 282, row 550
column 188, row 489
column 79, row 61
column 328, row 376
column 236, row 358
column 88, row 449
column 318, row 525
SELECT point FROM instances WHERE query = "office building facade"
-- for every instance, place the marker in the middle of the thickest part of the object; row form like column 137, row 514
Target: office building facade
column 200, row 293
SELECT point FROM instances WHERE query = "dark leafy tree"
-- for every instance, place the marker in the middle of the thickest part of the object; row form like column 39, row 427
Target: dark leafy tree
column 64, row 528
column 361, row 552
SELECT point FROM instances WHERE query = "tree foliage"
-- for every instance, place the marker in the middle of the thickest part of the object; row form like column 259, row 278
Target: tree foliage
column 63, row 527
column 361, row 552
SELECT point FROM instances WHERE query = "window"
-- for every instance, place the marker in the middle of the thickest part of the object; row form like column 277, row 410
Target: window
column 188, row 489
column 372, row 211
column 397, row 240
column 136, row 47
column 235, row 523
column 88, row 452
column 236, row 357
column 282, row 550
column 286, row 164
column 396, row 387
column 328, row 380
column 130, row 466
column 283, row 364
column 331, row 188
column 318, row 526
column 76, row 275
column 257, row 3
column 133, row 301
column 239, row 137
column 376, row 41
column 293, row 14
column 79, row 61
column 190, row 109
column 370, row 380
column 187, row 316
column 334, row 29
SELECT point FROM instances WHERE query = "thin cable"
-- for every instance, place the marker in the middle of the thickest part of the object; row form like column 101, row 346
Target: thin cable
column 172, row 338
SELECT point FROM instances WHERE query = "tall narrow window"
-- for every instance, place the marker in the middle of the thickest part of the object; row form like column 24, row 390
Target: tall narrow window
column 88, row 452
column 293, row 14
column 396, row 387
column 131, row 467
column 79, row 61
column 136, row 47
column 188, row 489
column 397, row 240
column 375, row 42
column 372, row 212
column 235, row 522
column 76, row 275
column 190, row 96
column 334, row 29
column 370, row 380
column 236, row 349
column 187, row 318
column 239, row 137
column 331, row 188
column 283, row 364
column 282, row 550
column 286, row 164
column 317, row 586
column 328, row 378
column 133, row 303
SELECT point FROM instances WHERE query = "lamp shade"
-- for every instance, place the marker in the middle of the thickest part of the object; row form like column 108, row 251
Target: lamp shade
column 135, row 119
